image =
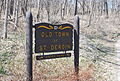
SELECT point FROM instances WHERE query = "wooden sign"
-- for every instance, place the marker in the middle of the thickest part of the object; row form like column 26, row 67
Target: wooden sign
column 53, row 38
column 52, row 56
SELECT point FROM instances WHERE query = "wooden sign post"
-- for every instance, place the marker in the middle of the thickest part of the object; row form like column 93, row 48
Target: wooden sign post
column 76, row 46
column 29, row 52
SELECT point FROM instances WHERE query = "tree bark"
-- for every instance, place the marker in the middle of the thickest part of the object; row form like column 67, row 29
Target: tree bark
column 75, row 13
column 11, row 7
column 106, row 8
column 83, row 9
column 5, row 21
column 16, row 17
column 14, row 8
column 38, row 13
column 1, row 6
column 48, row 10
column 64, row 8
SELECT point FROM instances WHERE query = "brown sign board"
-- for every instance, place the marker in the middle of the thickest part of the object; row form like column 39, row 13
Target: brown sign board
column 52, row 56
column 53, row 38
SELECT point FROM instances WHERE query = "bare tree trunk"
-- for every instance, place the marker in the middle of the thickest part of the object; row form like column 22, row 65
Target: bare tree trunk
column 25, row 7
column 61, row 11
column 113, row 6
column 91, row 14
column 1, row 6
column 48, row 10
column 83, row 9
column 64, row 8
column 106, row 8
column 38, row 13
column 75, row 7
column 4, row 6
column 41, row 14
column 5, row 21
column 48, row 15
column 101, row 8
column 11, row 7
column 118, row 9
column 16, row 15
column 14, row 8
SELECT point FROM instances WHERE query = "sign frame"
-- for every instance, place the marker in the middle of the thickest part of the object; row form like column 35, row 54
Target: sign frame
column 53, row 38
